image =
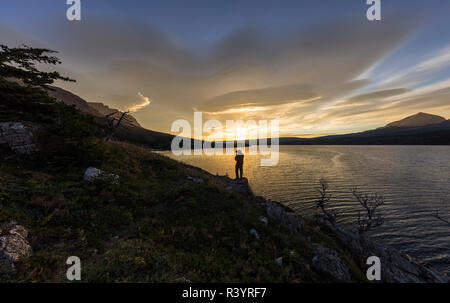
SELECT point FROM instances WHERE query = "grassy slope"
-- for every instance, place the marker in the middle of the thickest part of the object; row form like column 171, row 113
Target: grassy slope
column 155, row 225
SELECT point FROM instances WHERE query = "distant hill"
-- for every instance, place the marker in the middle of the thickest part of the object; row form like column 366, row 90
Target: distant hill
column 72, row 99
column 419, row 129
column 130, row 130
column 420, row 119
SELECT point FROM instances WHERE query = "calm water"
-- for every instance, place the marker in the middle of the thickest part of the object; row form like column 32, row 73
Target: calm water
column 415, row 181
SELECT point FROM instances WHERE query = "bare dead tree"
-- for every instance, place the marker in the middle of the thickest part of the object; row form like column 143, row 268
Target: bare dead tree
column 323, row 203
column 113, row 123
column 367, row 221
column 370, row 203
column 437, row 216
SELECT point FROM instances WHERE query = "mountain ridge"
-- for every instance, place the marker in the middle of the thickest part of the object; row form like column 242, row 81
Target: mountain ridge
column 418, row 129
column 419, row 119
column 70, row 98
column 130, row 130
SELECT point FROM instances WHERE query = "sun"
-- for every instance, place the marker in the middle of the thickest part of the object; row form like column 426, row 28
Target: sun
column 241, row 133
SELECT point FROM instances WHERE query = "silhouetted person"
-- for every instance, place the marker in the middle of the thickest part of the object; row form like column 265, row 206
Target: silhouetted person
column 239, row 164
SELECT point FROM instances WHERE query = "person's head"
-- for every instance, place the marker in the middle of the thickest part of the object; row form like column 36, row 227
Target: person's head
column 239, row 152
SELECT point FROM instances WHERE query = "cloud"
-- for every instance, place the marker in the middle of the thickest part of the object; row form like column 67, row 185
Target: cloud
column 439, row 60
column 422, row 70
column 436, row 95
column 145, row 102
column 296, row 76
column 375, row 95
column 262, row 97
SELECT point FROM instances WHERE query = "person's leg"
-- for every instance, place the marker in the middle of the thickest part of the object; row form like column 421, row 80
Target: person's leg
column 241, row 171
column 236, row 171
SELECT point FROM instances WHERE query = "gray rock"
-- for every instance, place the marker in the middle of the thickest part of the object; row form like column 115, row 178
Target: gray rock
column 279, row 261
column 255, row 233
column 196, row 180
column 287, row 218
column 182, row 280
column 264, row 220
column 327, row 261
column 13, row 243
column 92, row 174
column 20, row 137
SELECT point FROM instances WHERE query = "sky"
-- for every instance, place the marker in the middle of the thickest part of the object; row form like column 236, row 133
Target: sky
column 318, row 66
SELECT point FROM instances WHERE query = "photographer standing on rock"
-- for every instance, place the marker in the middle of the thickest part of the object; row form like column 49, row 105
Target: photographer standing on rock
column 239, row 164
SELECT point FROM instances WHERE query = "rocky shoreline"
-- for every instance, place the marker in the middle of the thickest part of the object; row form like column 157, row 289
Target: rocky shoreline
column 396, row 267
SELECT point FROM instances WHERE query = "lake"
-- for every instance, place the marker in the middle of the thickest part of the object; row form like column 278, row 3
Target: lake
column 415, row 181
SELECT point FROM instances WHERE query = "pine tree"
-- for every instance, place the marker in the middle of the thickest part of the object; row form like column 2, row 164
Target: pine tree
column 20, row 63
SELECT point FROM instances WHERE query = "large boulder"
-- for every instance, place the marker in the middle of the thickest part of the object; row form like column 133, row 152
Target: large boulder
column 20, row 137
column 13, row 243
column 327, row 261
